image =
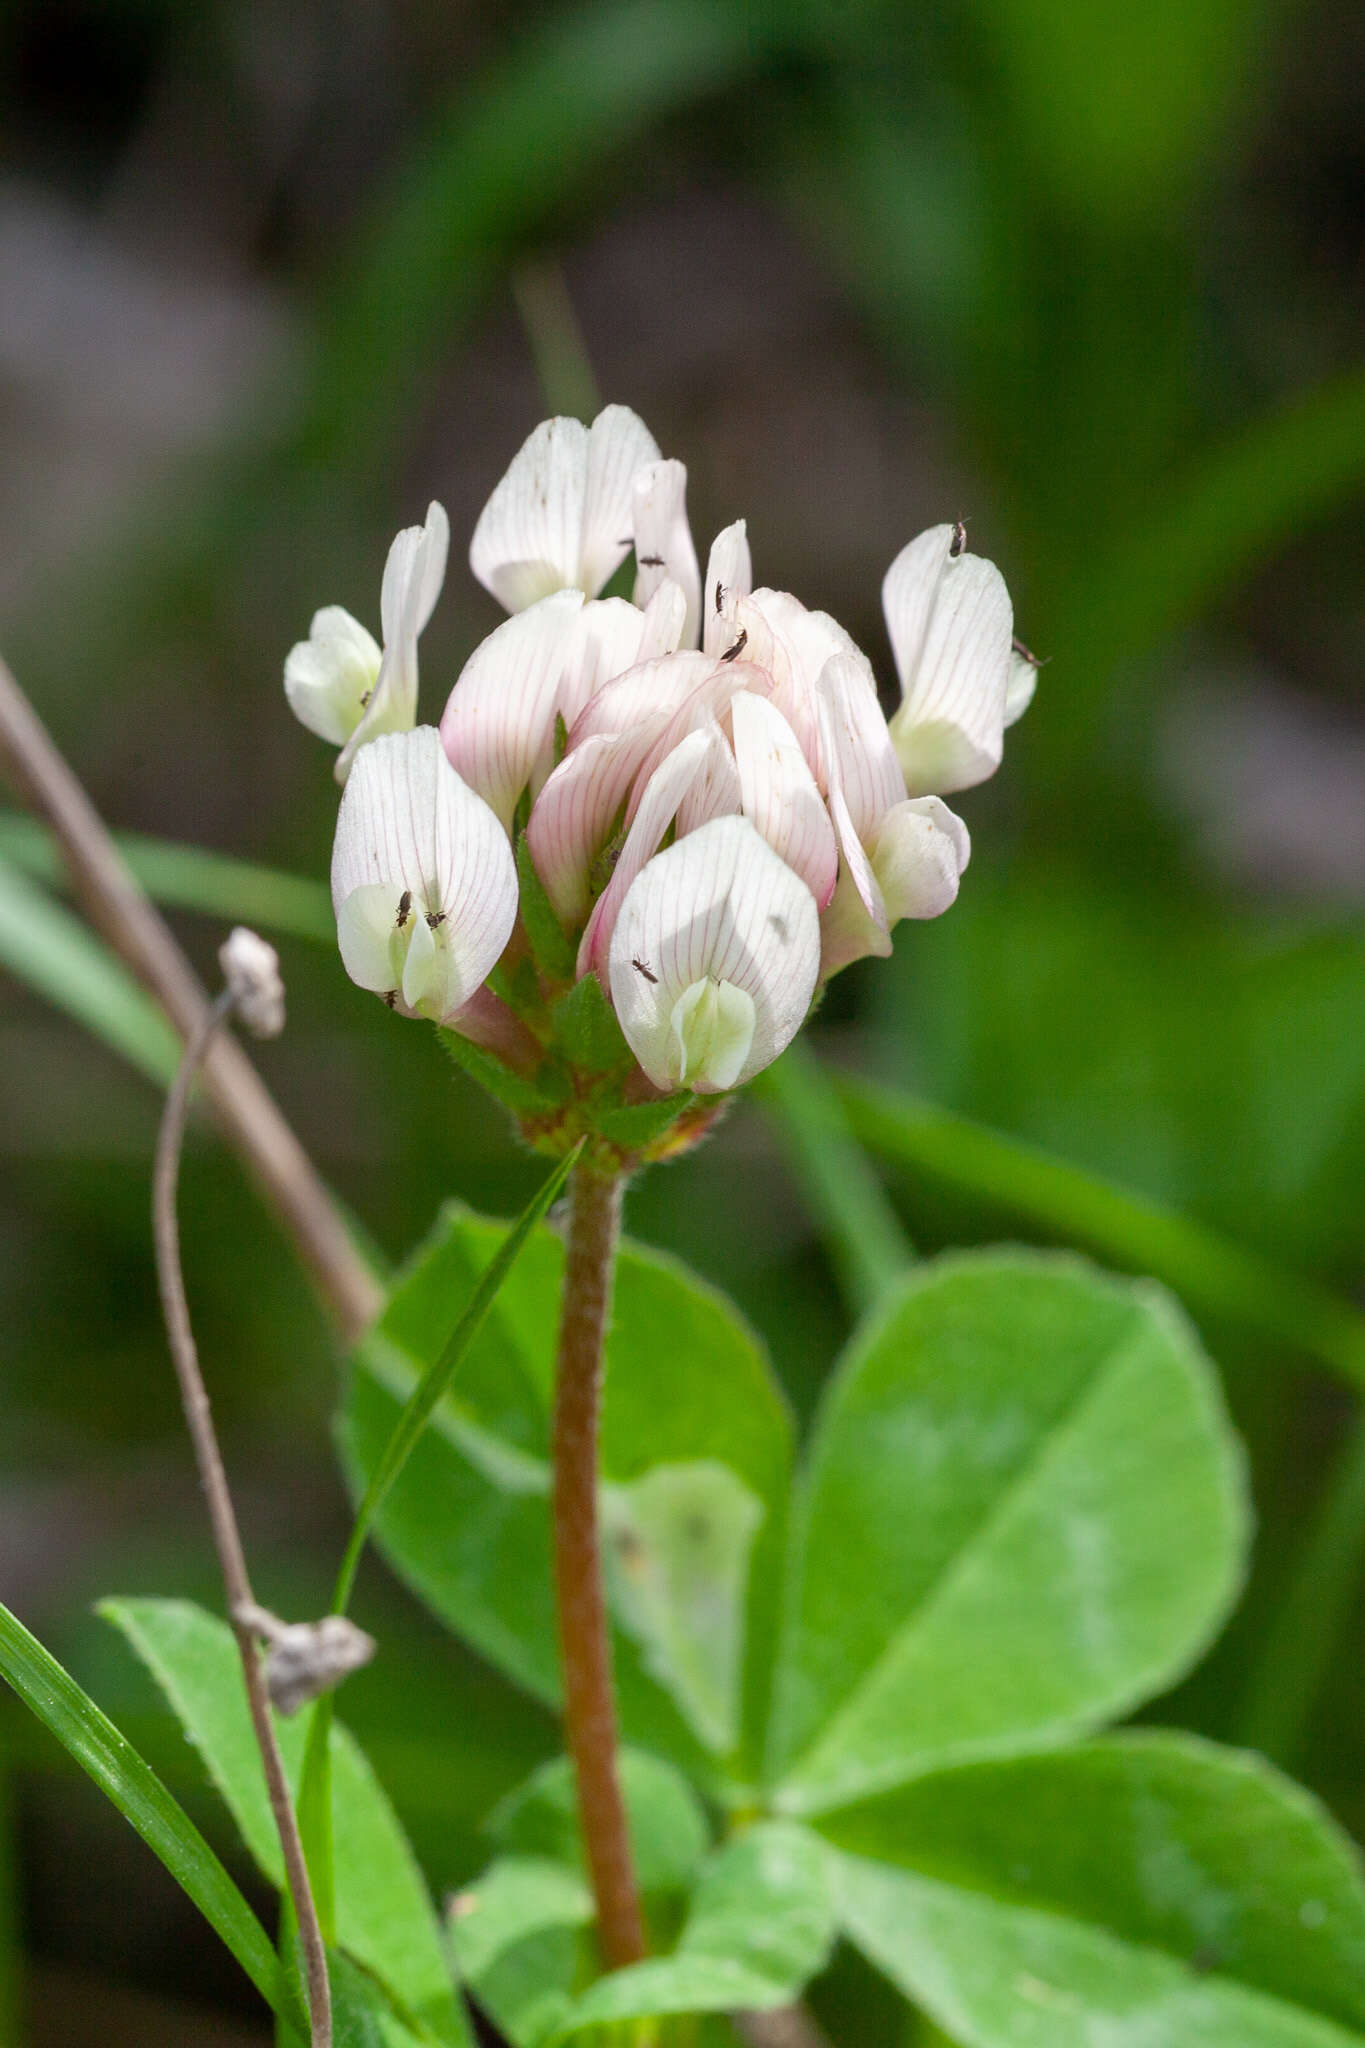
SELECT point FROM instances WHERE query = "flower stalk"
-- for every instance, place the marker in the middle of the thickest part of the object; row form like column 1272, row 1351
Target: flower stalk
column 241, row 1601
column 584, row 1635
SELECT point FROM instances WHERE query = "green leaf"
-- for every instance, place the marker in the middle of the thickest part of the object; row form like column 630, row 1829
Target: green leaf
column 61, row 959
column 586, row 1031
column 1022, row 1513
column 760, row 1927
column 385, row 1919
column 668, row 1831
column 468, row 1524
column 554, row 950
column 362, row 2016
column 521, row 1941
column 1148, row 1889
column 94, row 1743
column 678, row 1545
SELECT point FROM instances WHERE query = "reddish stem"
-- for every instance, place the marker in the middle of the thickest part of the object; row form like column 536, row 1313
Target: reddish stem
column 584, row 1636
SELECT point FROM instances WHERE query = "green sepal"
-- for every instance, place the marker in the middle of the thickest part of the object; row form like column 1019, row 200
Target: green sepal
column 550, row 943
column 514, row 1091
column 586, row 1032
column 638, row 1124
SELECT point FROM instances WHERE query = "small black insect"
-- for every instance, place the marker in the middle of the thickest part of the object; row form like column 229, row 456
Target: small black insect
column 720, row 593
column 651, row 561
column 391, row 996
column 1026, row 653
column 640, row 968
column 435, row 918
column 959, row 539
column 404, row 906
column 739, row 646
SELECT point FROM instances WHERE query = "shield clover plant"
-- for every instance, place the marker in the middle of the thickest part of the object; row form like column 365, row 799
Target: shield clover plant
column 853, row 1694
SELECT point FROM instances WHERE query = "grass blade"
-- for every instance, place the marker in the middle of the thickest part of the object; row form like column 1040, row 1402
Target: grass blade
column 133, row 1787
column 44, row 945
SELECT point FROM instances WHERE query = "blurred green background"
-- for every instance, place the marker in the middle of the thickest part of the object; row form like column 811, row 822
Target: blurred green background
column 275, row 272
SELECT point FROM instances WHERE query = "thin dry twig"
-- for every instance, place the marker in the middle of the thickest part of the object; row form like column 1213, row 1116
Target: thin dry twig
column 250, row 1120
column 241, row 1601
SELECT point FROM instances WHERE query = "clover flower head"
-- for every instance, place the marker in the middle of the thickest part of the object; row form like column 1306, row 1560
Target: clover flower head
column 698, row 784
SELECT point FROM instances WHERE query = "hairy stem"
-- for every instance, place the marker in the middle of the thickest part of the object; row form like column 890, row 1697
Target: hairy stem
column 584, row 1638
column 241, row 1601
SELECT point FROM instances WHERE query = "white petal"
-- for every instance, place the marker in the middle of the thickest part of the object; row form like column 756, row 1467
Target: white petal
column 656, row 810
column 861, row 754
column 729, row 569
column 665, row 621
column 328, row 676
column 720, row 906
column 619, row 446
column 499, row 720
column 950, row 621
column 413, row 575
column 526, row 543
column 409, row 826
column 1023, row 681
column 713, row 1025
column 368, row 936
column 919, row 856
column 663, row 540
column 779, row 794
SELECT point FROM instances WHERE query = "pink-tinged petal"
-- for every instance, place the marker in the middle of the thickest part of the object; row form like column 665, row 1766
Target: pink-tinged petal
column 499, row 721
column 759, row 634
column 615, row 636
column 919, row 855
column 716, row 793
column 572, row 817
column 411, row 832
column 951, row 626
column 526, row 543
column 665, row 621
column 657, row 808
column 729, row 570
column 486, row 1021
column 861, row 754
column 663, row 540
column 779, row 794
column 708, row 700
column 619, row 446
column 856, row 868
column 720, row 907
column 847, row 929
column 329, row 677
column 650, row 689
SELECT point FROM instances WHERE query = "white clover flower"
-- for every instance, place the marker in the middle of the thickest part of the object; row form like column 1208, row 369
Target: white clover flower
column 714, row 959
column 963, row 680
column 423, row 881
column 339, row 683
column 560, row 519
column 713, row 801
